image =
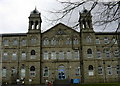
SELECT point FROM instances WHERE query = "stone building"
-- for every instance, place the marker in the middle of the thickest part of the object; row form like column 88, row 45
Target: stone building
column 60, row 53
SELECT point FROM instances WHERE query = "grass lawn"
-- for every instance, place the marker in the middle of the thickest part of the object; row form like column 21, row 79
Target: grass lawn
column 98, row 84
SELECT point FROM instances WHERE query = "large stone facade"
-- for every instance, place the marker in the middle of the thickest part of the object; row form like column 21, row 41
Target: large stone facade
column 60, row 53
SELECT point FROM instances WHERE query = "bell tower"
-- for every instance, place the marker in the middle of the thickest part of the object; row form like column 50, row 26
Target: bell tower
column 34, row 21
column 85, row 20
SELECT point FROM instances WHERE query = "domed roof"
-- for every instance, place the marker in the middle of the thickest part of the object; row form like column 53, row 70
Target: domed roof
column 35, row 11
column 85, row 10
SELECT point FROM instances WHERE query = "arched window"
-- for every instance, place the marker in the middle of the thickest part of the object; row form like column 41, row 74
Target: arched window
column 32, row 71
column 31, row 24
column 32, row 52
column 36, row 25
column 90, row 67
column 90, row 70
column 32, row 68
column 89, row 53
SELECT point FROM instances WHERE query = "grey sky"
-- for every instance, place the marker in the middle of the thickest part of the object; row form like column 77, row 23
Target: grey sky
column 14, row 14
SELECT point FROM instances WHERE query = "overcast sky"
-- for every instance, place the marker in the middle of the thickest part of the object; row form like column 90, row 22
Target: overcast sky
column 14, row 14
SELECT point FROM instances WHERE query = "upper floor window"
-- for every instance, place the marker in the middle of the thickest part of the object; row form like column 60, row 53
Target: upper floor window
column 53, row 55
column 76, row 54
column 108, row 54
column 69, row 55
column 114, row 41
column 61, row 55
column 33, row 54
column 45, row 55
column 23, row 42
column 14, row 56
column 109, row 70
column 116, row 53
column 97, row 40
column 100, row 70
column 15, row 42
column 118, row 69
column 88, row 39
column 68, row 41
column 5, row 56
column 53, row 41
column 32, row 71
column 89, row 53
column 6, row 42
column 75, row 41
column 90, row 70
column 99, row 54
column 46, row 41
column 106, row 40
column 4, row 72
column 45, row 72
column 33, row 40
column 23, row 55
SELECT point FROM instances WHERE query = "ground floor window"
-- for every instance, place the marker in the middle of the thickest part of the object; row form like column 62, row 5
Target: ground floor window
column 32, row 71
column 4, row 72
column 45, row 72
column 90, row 70
column 77, row 71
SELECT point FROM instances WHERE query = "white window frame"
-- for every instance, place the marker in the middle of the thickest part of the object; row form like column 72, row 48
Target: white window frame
column 76, row 54
column 45, row 55
column 14, row 56
column 61, row 55
column 53, row 55
column 23, row 56
column 69, row 55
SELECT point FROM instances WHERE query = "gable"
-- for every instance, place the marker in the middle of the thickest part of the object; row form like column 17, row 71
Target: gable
column 59, row 30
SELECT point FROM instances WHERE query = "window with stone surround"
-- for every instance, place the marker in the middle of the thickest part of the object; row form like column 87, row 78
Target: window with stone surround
column 106, row 40
column 32, row 71
column 97, row 40
column 69, row 55
column 5, row 42
column 15, row 42
column 45, row 55
column 4, row 72
column 5, row 56
column 68, row 41
column 14, row 56
column 99, row 54
column 109, row 70
column 45, row 72
column 23, row 55
column 61, row 55
column 23, row 42
column 53, row 55
column 76, row 54
column 90, row 70
column 33, row 54
column 89, row 53
column 100, row 70
column 77, row 71
column 118, row 69
column 75, row 41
